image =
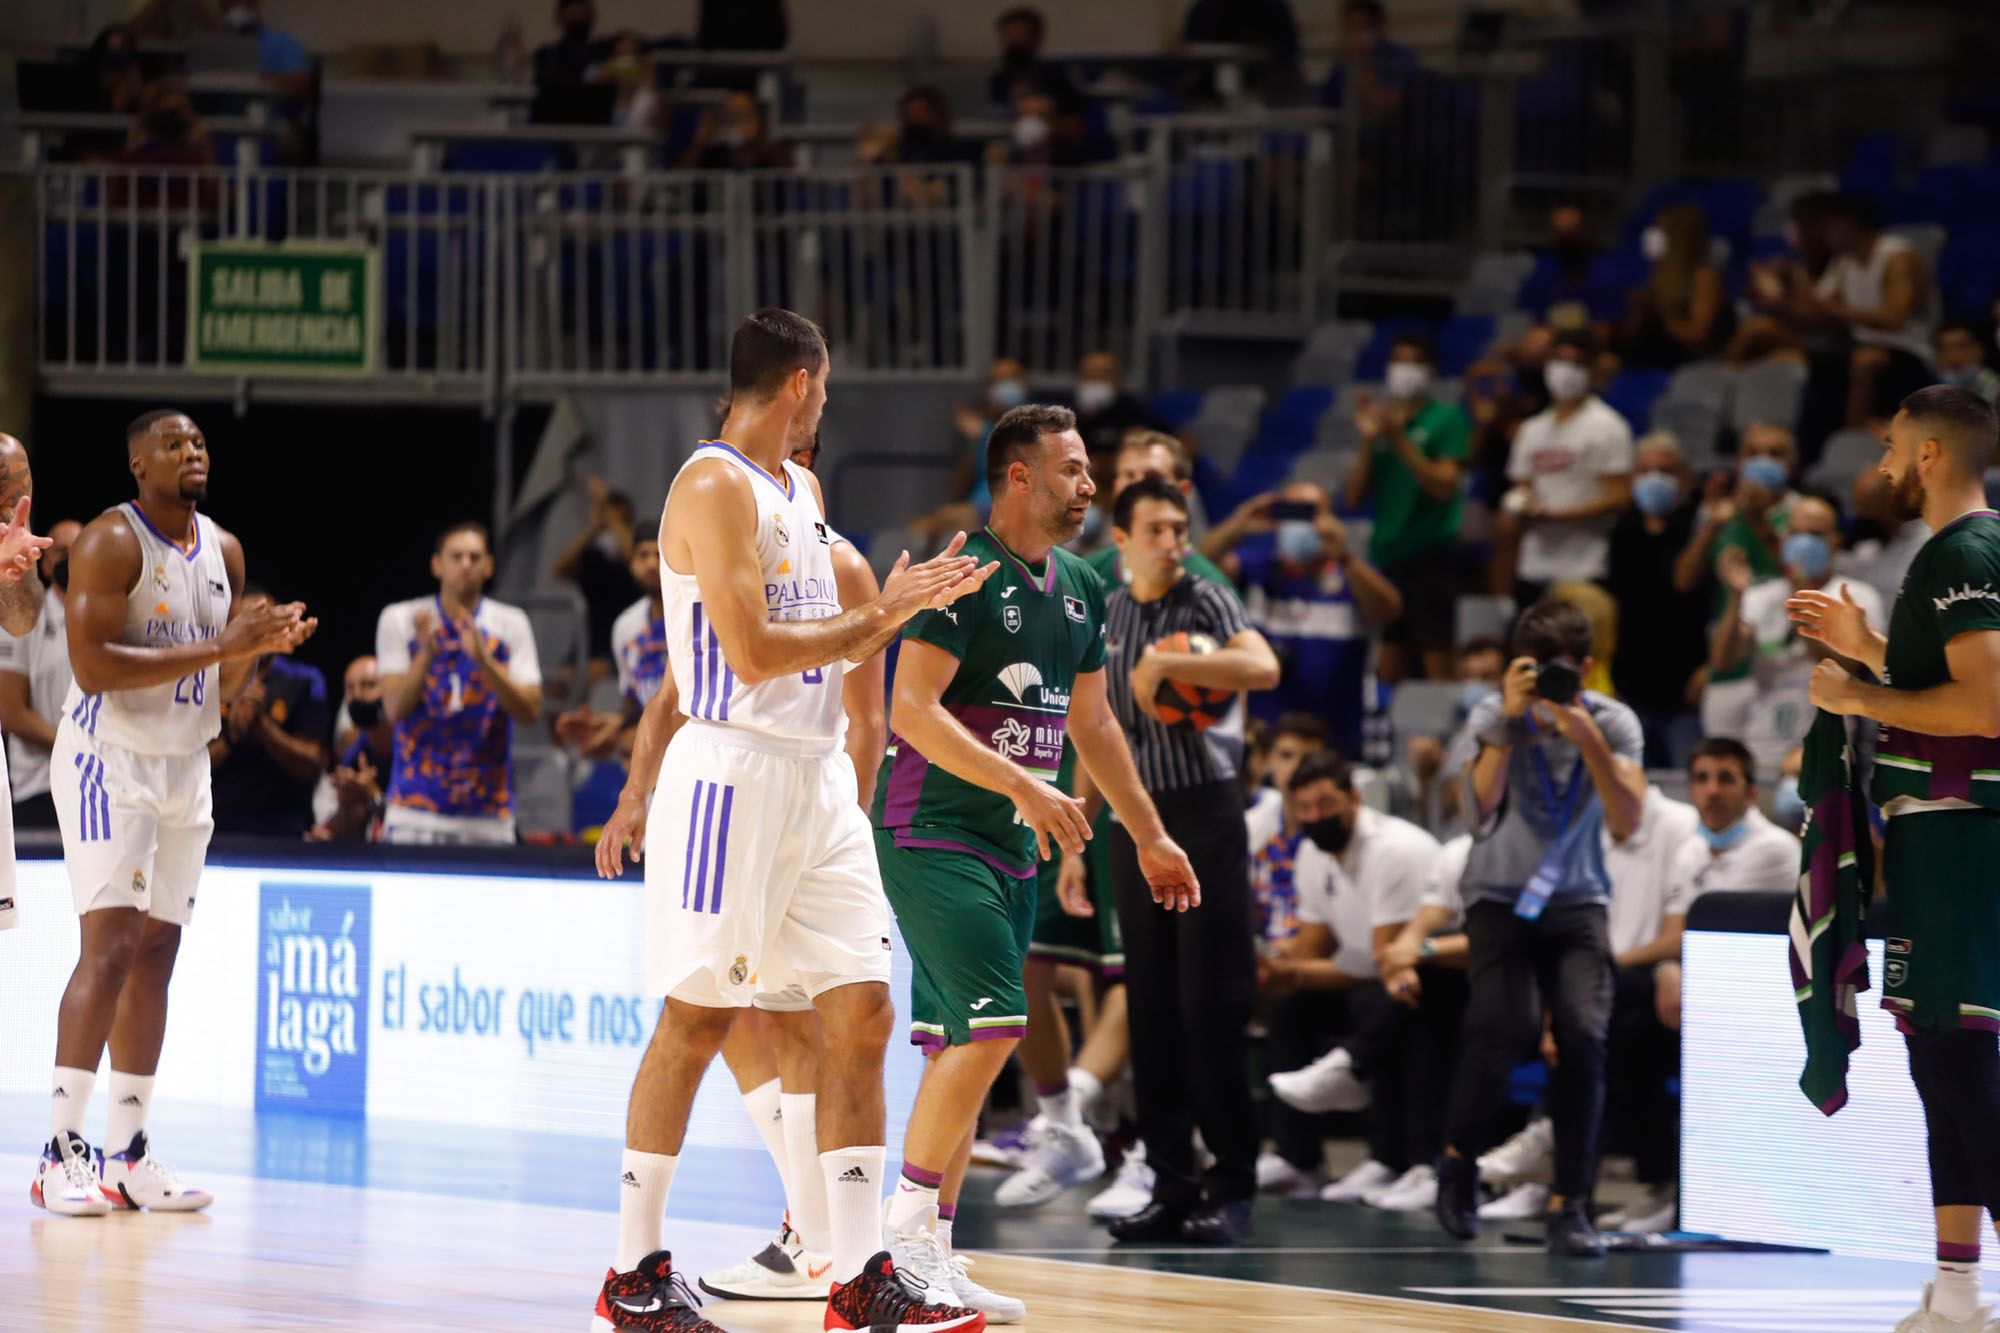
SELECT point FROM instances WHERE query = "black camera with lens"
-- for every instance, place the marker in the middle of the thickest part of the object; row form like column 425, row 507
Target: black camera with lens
column 1557, row 681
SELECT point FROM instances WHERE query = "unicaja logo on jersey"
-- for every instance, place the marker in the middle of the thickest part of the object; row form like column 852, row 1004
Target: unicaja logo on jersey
column 312, row 998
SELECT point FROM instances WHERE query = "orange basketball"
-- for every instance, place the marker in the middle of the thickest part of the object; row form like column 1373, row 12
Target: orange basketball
column 1184, row 705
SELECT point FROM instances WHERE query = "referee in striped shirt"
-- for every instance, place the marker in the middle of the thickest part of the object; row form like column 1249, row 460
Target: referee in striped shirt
column 1190, row 977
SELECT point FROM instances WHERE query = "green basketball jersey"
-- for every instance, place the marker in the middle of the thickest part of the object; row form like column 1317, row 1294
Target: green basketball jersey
column 1953, row 587
column 1021, row 641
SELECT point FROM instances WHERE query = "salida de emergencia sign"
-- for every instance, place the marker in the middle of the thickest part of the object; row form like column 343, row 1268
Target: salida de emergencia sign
column 297, row 309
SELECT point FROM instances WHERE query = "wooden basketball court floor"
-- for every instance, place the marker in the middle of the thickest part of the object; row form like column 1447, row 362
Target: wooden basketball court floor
column 424, row 1227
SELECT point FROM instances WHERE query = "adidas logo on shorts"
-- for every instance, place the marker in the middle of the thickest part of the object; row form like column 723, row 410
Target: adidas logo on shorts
column 854, row 1175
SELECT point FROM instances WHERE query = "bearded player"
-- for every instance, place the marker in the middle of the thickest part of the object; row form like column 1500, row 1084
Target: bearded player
column 989, row 694
column 762, row 875
column 20, row 608
column 157, row 643
column 1939, row 712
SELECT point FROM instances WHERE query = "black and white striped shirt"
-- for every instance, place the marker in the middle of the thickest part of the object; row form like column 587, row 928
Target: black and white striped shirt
column 1173, row 758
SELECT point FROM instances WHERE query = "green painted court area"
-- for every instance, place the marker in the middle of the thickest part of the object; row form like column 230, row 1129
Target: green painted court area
column 1343, row 1248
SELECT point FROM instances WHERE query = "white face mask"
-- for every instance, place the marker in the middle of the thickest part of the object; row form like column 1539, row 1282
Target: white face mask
column 1095, row 395
column 1653, row 244
column 1567, row 381
column 1406, row 379
column 241, row 18
column 1030, row 132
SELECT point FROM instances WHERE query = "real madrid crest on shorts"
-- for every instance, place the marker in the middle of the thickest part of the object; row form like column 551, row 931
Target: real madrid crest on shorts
column 739, row 971
column 138, row 881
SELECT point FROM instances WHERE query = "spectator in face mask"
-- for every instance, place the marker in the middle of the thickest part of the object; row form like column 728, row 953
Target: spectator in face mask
column 733, row 137
column 348, row 801
column 1316, row 600
column 1414, row 450
column 1574, row 286
column 1662, row 630
column 922, row 134
column 1571, row 466
column 1105, row 411
column 1755, row 628
column 1682, row 313
column 1006, row 388
column 1961, row 360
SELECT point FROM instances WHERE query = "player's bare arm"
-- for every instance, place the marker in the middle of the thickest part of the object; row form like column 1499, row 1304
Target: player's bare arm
column 1246, row 662
column 923, row 673
column 20, row 548
column 523, row 703
column 862, row 684
column 658, row 722
column 710, row 530
column 104, row 567
column 1966, row 705
column 1100, row 744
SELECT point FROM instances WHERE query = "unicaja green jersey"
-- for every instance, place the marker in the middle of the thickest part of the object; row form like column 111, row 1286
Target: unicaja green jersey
column 1952, row 588
column 1021, row 641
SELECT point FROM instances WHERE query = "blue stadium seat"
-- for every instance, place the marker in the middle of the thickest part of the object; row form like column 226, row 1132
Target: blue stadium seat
column 1632, row 392
column 1177, row 407
column 1968, row 273
column 1872, row 166
column 1461, row 340
column 504, row 155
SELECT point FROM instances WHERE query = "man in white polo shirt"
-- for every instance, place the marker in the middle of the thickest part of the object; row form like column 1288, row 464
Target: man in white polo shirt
column 1360, row 876
column 1571, row 466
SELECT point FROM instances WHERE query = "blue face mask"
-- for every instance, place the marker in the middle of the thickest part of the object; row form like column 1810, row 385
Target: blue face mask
column 1722, row 840
column 1007, row 393
column 1788, row 808
column 1964, row 377
column 1298, row 541
column 1655, row 493
column 1766, row 472
column 1472, row 693
column 1807, row 552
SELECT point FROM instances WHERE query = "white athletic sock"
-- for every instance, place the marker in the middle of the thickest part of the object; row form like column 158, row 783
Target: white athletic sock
column 1955, row 1290
column 131, row 1098
column 806, row 1193
column 914, row 1205
column 1059, row 1108
column 1087, row 1087
column 762, row 1104
column 853, row 1179
column 69, row 1099
column 943, row 1232
column 642, row 1200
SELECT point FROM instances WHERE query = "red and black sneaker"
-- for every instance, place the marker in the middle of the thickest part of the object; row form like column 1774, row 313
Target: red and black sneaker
column 652, row 1298
column 881, row 1300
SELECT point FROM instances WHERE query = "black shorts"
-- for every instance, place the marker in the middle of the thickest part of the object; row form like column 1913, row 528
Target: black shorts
column 1429, row 584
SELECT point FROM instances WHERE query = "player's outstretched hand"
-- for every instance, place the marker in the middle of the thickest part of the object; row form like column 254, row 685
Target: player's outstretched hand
column 1838, row 622
column 937, row 582
column 20, row 548
column 1169, row 875
column 1073, row 887
column 627, row 826
column 1057, row 819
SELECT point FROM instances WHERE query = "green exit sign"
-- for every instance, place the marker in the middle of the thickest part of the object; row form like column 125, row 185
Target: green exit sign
column 294, row 309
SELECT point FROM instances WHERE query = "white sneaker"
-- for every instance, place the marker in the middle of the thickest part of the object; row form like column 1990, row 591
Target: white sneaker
column 1528, row 1156
column 970, row 1295
column 784, row 1271
column 135, row 1179
column 1415, row 1191
column 1651, row 1215
column 1327, row 1084
column 1356, row 1184
column 1520, row 1204
column 1063, row 1157
column 1926, row 1320
column 921, row 1261
column 1009, row 1148
column 1275, row 1175
column 65, row 1182
column 1130, row 1191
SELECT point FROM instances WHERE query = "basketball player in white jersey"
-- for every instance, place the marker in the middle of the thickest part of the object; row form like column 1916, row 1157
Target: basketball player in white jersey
column 20, row 607
column 762, row 874
column 156, row 643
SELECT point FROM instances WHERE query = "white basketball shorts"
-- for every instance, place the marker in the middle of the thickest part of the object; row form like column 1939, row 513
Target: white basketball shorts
column 135, row 827
column 761, row 880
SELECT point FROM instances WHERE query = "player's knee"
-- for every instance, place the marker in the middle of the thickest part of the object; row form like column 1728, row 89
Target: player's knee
column 863, row 1016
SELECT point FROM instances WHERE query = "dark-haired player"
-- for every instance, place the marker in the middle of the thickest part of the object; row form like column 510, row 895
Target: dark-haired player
column 761, row 875
column 1937, row 778
column 157, row 642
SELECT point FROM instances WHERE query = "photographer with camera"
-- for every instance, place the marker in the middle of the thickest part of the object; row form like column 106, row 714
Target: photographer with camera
column 1557, row 765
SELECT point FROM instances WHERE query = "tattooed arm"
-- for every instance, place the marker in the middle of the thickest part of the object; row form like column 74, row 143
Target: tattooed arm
column 20, row 549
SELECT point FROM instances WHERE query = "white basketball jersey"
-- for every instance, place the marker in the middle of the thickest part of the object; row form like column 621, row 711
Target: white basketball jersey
column 795, row 553
column 182, row 596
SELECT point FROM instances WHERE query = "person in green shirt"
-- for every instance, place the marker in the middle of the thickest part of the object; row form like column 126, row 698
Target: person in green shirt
column 1413, row 461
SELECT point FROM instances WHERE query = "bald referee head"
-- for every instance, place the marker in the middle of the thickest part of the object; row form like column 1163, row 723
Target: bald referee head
column 1939, row 446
